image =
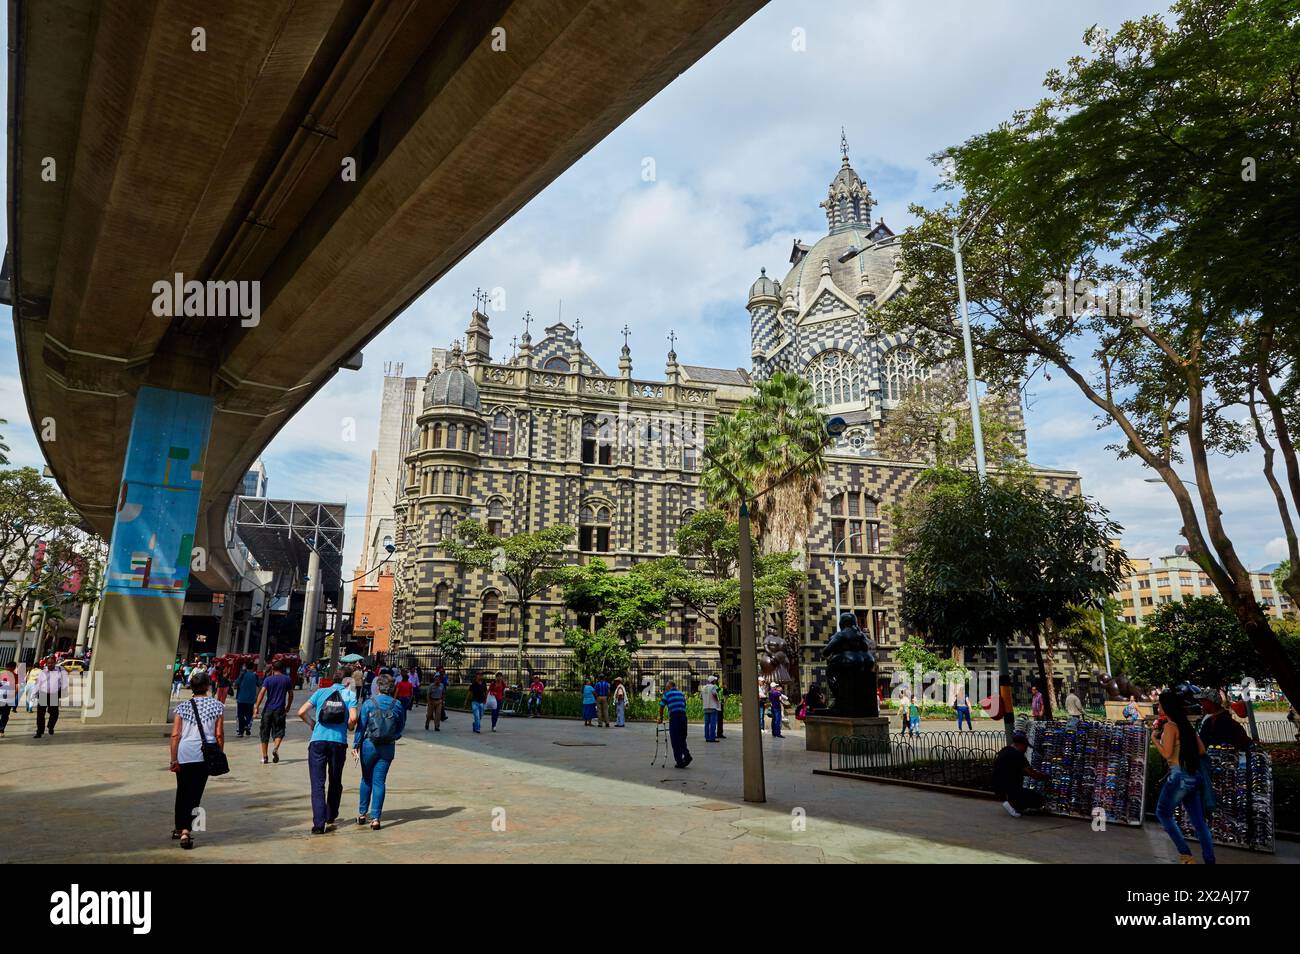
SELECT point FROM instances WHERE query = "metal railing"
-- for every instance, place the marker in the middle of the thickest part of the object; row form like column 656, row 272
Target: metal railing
column 1276, row 730
column 962, row 759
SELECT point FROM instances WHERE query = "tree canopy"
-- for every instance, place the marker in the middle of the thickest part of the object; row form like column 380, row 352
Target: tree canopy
column 988, row 559
column 1137, row 232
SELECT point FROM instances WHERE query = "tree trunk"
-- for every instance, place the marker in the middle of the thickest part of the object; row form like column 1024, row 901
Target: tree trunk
column 792, row 645
column 1049, row 658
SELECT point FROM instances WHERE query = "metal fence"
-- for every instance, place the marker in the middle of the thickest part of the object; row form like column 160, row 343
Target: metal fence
column 558, row 670
column 1276, row 730
column 962, row 759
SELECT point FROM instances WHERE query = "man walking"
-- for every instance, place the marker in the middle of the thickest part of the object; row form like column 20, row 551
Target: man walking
column 711, row 703
column 1074, row 707
column 50, row 683
column 477, row 699
column 274, row 699
column 675, row 702
column 245, row 699
column 335, row 709
column 602, row 701
column 433, row 711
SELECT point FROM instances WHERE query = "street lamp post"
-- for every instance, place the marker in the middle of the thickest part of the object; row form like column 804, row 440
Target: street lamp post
column 755, row 785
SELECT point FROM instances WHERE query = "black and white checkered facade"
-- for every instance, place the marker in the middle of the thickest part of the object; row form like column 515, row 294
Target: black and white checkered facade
column 522, row 467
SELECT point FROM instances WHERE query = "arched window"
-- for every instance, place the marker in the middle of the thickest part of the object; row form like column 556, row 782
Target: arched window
column 855, row 523
column 487, row 621
column 451, row 436
column 446, row 526
column 556, row 364
column 442, row 595
column 496, row 517
column 902, row 371
column 593, row 529
column 834, row 378
column 596, row 447
column 500, row 434
column 437, row 436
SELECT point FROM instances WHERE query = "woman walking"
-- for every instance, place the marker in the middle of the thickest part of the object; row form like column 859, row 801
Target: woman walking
column 497, row 698
column 1182, row 749
column 224, row 682
column 620, row 703
column 588, row 702
column 196, row 721
column 379, row 725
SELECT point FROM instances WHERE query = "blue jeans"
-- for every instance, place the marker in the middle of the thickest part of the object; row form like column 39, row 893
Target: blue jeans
column 375, row 760
column 496, row 714
column 762, row 726
column 1184, row 789
column 710, row 724
column 477, row 709
column 776, row 722
column 963, row 712
column 618, row 712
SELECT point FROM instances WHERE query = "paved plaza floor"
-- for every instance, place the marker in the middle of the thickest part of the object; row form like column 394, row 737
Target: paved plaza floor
column 561, row 792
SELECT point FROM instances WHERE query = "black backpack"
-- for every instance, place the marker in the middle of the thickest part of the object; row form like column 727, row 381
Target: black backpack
column 333, row 711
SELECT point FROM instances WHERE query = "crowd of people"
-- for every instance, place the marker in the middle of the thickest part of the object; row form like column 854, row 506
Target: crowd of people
column 39, row 689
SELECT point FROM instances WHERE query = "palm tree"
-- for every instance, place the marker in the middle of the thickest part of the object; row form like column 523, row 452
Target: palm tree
column 773, row 444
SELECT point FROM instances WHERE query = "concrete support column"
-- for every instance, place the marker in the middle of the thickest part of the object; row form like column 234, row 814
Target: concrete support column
column 83, row 626
column 149, row 558
column 227, row 625
column 310, row 603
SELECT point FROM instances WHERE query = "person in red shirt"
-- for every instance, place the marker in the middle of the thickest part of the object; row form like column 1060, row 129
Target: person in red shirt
column 405, row 691
column 535, row 697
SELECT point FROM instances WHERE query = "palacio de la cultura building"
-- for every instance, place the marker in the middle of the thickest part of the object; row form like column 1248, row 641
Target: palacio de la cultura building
column 550, row 437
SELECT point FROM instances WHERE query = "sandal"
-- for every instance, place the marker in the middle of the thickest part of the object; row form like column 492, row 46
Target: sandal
column 362, row 819
column 187, row 841
column 176, row 834
column 374, row 825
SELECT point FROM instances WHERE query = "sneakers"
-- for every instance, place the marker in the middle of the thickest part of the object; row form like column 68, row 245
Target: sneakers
column 318, row 831
column 265, row 760
column 1011, row 810
column 1187, row 859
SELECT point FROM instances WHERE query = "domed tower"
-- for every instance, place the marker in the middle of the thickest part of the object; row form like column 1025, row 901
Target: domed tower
column 764, row 326
column 441, row 469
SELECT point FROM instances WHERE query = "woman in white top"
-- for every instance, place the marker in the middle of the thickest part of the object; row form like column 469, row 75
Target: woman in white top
column 187, row 751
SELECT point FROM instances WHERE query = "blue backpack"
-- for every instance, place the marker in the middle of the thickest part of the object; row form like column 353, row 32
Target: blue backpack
column 381, row 723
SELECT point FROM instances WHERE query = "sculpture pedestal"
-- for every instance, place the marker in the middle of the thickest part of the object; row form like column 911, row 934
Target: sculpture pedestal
column 820, row 729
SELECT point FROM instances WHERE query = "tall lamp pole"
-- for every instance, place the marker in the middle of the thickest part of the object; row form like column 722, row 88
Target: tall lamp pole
column 977, row 432
column 755, row 784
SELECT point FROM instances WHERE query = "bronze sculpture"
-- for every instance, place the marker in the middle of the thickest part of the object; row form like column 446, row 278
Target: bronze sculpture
column 851, row 671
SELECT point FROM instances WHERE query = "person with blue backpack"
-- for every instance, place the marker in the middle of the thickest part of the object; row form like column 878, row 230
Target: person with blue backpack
column 335, row 709
column 379, row 726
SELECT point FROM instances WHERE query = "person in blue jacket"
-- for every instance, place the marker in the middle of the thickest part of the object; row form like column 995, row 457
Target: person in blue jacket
column 379, row 725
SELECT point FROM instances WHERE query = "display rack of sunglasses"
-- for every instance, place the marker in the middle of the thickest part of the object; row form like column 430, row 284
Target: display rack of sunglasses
column 1091, row 766
column 1243, row 794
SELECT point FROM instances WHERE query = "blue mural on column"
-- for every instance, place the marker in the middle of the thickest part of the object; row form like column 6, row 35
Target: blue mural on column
column 158, row 503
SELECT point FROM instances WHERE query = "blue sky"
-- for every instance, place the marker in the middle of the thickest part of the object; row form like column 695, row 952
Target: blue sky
column 744, row 145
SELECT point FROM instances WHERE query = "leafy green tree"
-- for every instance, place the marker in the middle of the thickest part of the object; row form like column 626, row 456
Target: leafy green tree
column 989, row 559
column 625, row 604
column 773, row 444
column 451, row 642
column 1197, row 639
column 1167, row 160
column 4, row 448
column 913, row 656
column 705, row 577
column 932, row 423
column 529, row 561
column 32, row 511
column 597, row 652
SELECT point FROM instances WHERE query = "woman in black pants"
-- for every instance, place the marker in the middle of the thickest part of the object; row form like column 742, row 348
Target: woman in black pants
column 195, row 719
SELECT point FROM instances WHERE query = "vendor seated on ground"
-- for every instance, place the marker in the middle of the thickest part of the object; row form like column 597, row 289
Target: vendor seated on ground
column 1218, row 727
column 1009, row 771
